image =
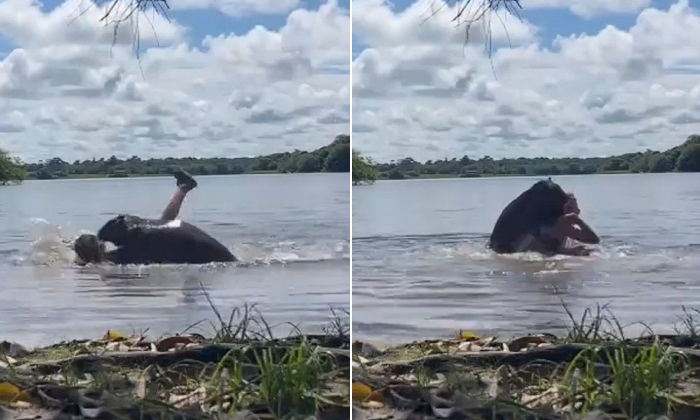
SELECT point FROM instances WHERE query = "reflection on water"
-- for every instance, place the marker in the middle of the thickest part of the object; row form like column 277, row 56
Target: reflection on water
column 421, row 268
column 293, row 248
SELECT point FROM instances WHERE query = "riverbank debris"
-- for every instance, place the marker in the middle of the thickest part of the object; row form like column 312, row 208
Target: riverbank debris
column 591, row 372
column 243, row 373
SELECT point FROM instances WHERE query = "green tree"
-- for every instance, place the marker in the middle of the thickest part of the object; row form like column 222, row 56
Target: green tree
column 289, row 164
column 573, row 169
column 265, row 164
column 363, row 170
column 660, row 163
column 396, row 174
column 10, row 169
column 309, row 162
column 640, row 163
column 689, row 160
column 338, row 159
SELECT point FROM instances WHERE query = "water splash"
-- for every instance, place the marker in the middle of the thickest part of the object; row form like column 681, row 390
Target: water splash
column 51, row 246
column 291, row 252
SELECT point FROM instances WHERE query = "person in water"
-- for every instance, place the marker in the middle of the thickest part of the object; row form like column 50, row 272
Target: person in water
column 152, row 241
column 542, row 219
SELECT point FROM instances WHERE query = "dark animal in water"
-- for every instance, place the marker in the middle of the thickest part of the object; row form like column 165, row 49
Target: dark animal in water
column 538, row 206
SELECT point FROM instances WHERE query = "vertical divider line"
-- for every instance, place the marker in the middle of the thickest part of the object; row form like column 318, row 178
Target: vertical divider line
column 350, row 95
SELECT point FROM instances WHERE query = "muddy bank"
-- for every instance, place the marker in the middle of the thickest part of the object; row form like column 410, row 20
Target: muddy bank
column 592, row 372
column 241, row 372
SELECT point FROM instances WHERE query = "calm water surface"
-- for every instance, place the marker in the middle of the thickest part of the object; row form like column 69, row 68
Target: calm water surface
column 421, row 269
column 291, row 233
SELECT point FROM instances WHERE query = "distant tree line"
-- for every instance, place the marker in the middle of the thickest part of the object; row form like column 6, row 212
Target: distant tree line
column 683, row 158
column 332, row 158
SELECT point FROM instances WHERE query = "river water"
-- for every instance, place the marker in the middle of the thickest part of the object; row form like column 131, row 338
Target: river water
column 291, row 233
column 421, row 269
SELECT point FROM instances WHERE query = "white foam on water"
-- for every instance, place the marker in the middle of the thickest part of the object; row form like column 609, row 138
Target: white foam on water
column 289, row 252
column 49, row 245
column 607, row 258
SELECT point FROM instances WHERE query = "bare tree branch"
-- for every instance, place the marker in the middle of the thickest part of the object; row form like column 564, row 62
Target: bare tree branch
column 470, row 12
column 119, row 12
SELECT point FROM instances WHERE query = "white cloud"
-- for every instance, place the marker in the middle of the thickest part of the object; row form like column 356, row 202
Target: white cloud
column 426, row 96
column 238, row 7
column 13, row 121
column 76, row 23
column 591, row 8
column 67, row 91
column 427, row 22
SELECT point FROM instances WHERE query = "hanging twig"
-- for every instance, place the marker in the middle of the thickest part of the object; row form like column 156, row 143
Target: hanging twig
column 117, row 12
column 470, row 12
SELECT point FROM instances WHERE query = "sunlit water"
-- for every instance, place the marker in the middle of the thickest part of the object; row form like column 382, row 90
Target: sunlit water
column 421, row 268
column 291, row 233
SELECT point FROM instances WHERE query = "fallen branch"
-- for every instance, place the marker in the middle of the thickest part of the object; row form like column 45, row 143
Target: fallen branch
column 209, row 353
column 563, row 353
column 445, row 362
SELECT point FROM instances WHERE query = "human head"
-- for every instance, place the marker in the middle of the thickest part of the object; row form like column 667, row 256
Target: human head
column 89, row 248
column 571, row 205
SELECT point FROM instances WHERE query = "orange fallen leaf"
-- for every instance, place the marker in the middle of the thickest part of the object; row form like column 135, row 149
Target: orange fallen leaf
column 360, row 391
column 11, row 393
column 376, row 396
column 112, row 335
column 468, row 335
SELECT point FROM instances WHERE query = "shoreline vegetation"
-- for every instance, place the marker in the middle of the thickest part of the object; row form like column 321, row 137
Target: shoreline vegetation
column 11, row 170
column 334, row 157
column 240, row 372
column 594, row 372
column 683, row 158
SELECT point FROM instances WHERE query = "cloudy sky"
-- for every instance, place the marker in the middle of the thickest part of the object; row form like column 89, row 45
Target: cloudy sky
column 220, row 78
column 574, row 78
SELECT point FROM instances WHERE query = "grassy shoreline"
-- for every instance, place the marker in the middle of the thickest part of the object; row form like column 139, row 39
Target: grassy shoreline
column 239, row 372
column 592, row 372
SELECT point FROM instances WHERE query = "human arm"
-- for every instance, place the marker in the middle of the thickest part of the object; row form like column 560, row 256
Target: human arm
column 583, row 232
column 571, row 225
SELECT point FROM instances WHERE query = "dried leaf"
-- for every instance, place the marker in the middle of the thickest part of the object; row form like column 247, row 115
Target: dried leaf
column 112, row 335
column 11, row 393
column 469, row 346
column 376, row 396
column 7, row 361
column 140, row 387
column 468, row 335
column 360, row 391
column 521, row 343
column 172, row 342
column 373, row 404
